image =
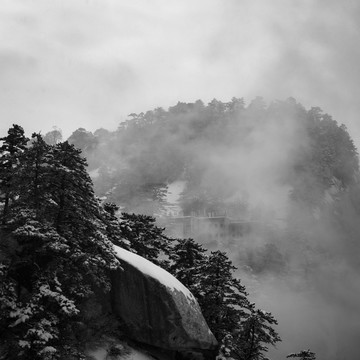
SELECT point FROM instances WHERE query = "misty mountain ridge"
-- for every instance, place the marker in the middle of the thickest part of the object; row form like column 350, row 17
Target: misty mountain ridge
column 227, row 153
column 291, row 173
column 275, row 187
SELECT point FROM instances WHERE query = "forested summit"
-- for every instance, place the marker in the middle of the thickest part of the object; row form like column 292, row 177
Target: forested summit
column 56, row 235
column 291, row 172
column 276, row 164
column 218, row 150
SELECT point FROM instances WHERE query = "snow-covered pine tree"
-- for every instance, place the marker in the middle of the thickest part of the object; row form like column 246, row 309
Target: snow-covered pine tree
column 147, row 239
column 31, row 178
column 222, row 298
column 257, row 332
column 226, row 348
column 113, row 227
column 57, row 254
column 187, row 259
column 243, row 331
column 12, row 146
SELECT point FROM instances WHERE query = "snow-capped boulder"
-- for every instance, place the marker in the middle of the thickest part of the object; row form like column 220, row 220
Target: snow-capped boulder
column 156, row 308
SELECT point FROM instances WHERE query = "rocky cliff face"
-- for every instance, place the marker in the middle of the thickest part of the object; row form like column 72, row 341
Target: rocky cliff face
column 156, row 308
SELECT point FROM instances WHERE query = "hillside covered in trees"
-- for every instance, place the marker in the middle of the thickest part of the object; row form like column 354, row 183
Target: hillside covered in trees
column 57, row 257
column 257, row 162
column 288, row 171
column 214, row 147
column 278, row 165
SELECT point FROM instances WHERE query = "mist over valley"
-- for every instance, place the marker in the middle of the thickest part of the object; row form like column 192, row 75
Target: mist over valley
column 274, row 185
column 179, row 180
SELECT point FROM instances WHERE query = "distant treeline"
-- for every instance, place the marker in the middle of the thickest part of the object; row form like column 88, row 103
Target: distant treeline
column 202, row 144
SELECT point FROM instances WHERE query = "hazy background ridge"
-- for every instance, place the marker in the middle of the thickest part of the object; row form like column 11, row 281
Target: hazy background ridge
column 93, row 62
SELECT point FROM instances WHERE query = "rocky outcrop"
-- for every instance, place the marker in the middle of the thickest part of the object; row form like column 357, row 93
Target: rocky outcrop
column 155, row 308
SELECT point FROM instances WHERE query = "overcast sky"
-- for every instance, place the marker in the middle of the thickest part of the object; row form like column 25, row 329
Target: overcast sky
column 89, row 63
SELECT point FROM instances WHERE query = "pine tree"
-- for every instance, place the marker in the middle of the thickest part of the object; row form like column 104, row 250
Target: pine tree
column 31, row 177
column 57, row 253
column 244, row 332
column 113, row 226
column 256, row 334
column 222, row 298
column 147, row 239
column 12, row 146
column 226, row 348
column 187, row 259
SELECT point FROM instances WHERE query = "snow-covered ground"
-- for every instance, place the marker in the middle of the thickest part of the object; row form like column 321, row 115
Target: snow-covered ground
column 154, row 271
column 101, row 353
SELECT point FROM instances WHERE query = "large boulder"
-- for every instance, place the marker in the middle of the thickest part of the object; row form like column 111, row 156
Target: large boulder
column 155, row 308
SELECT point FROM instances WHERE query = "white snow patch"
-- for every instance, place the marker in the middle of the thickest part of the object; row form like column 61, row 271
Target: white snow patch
column 137, row 355
column 101, row 354
column 98, row 354
column 154, row 271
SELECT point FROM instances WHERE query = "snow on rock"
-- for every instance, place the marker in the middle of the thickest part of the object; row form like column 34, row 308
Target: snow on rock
column 154, row 271
column 155, row 308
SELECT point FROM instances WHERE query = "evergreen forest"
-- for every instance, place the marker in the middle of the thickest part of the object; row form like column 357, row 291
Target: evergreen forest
column 290, row 174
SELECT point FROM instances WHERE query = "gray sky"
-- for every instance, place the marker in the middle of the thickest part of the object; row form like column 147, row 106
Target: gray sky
column 89, row 63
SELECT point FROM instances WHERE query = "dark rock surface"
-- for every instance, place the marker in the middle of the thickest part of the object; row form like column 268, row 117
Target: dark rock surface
column 156, row 314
